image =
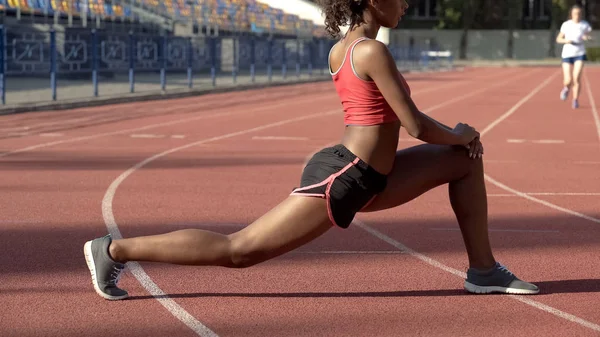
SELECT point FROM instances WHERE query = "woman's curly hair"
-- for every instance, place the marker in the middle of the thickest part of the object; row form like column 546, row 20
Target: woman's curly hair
column 341, row 13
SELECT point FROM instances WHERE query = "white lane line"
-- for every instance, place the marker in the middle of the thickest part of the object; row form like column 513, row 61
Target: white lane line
column 517, row 106
column 539, row 201
column 536, row 141
column 178, row 136
column 501, row 230
column 498, row 161
column 430, row 261
column 262, row 108
column 146, row 135
column 50, row 134
column 463, row 275
column 21, row 222
column 152, row 126
column 278, row 138
column 473, row 93
column 588, row 87
column 548, row 141
column 352, row 252
column 571, row 194
column 136, row 269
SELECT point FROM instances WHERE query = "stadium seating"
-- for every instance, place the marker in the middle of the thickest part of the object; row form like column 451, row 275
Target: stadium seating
column 229, row 15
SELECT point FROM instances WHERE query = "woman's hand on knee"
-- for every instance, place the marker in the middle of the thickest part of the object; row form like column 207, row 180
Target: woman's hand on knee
column 475, row 148
column 466, row 133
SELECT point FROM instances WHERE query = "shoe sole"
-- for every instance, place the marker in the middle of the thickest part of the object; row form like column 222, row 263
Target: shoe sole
column 475, row 289
column 89, row 259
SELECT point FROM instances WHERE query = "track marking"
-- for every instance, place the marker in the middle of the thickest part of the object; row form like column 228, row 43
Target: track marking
column 473, row 93
column 536, row 141
column 146, row 127
column 518, row 105
column 178, row 136
column 572, row 194
column 539, row 201
column 463, row 275
column 548, row 141
column 50, row 134
column 184, row 120
column 145, row 135
column 278, row 138
column 501, row 230
column 498, row 161
column 588, row 87
column 352, row 252
column 165, row 301
column 135, row 268
column 21, row 222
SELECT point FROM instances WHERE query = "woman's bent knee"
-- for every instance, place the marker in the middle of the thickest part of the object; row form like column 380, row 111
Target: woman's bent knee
column 461, row 155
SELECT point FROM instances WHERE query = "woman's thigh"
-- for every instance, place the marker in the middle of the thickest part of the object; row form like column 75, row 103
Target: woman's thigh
column 419, row 169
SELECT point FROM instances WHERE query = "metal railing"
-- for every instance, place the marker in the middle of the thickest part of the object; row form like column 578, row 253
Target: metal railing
column 79, row 63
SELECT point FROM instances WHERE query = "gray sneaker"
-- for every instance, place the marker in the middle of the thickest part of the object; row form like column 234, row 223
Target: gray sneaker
column 105, row 271
column 497, row 280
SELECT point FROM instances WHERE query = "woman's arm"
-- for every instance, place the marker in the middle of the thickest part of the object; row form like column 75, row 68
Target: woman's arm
column 560, row 38
column 374, row 60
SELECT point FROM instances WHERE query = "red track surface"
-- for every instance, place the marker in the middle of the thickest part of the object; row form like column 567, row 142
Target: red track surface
column 56, row 169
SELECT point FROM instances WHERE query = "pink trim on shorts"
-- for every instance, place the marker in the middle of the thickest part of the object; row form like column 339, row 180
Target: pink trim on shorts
column 332, row 179
column 329, row 181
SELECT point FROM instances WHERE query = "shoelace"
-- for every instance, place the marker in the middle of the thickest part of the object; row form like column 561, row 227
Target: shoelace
column 505, row 270
column 115, row 274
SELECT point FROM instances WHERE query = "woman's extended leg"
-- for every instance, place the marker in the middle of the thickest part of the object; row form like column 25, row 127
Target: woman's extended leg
column 567, row 80
column 291, row 224
column 421, row 168
column 577, row 70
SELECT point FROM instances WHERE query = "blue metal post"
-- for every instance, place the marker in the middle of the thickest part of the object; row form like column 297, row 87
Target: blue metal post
column 235, row 59
column 163, row 68
column 190, row 62
column 321, row 55
column 2, row 64
column 213, row 60
column 253, row 59
column 131, row 62
column 298, row 55
column 283, row 60
column 310, row 58
column 53, row 63
column 95, row 52
column 270, row 59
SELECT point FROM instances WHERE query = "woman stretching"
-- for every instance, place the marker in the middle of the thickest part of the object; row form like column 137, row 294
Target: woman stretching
column 573, row 33
column 364, row 173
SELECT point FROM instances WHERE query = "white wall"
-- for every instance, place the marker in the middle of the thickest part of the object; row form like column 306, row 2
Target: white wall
column 485, row 44
column 310, row 11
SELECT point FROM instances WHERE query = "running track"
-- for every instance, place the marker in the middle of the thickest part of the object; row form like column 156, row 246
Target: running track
column 220, row 161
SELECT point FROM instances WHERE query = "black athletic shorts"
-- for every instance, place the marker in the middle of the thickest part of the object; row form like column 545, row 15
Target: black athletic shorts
column 347, row 182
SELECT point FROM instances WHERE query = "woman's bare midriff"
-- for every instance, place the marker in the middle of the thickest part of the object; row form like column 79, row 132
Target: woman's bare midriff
column 376, row 145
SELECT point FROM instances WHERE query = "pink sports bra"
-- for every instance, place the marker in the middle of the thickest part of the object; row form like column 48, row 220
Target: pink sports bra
column 361, row 100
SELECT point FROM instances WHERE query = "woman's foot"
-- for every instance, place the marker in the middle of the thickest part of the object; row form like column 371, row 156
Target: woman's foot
column 575, row 104
column 498, row 279
column 564, row 94
column 104, row 270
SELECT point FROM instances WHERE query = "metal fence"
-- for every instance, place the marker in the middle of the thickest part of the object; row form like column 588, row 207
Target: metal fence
column 77, row 63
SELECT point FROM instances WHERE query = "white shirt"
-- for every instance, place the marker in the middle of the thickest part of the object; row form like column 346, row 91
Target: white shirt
column 574, row 31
